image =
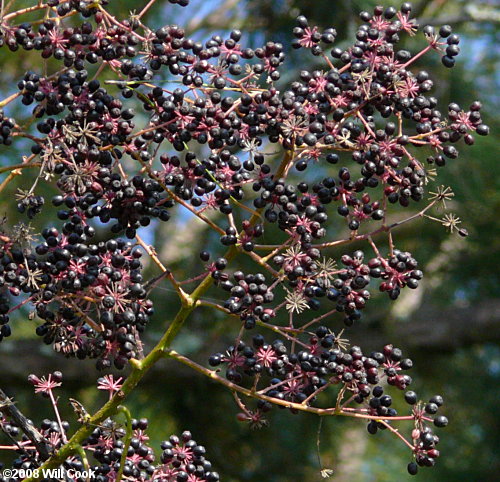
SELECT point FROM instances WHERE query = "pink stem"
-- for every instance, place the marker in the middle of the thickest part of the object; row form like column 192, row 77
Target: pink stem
column 59, row 421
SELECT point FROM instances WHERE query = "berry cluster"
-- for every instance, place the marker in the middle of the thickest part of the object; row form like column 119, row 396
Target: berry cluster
column 399, row 271
column 325, row 360
column 248, row 295
column 296, row 212
column 182, row 458
column 7, row 124
column 76, row 152
column 29, row 459
column 30, row 204
column 90, row 296
column 104, row 136
column 108, row 275
column 323, row 109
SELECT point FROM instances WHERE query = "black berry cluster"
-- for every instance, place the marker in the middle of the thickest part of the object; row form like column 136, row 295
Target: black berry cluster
column 398, row 271
column 133, row 125
column 115, row 448
column 7, row 125
column 90, row 296
column 325, row 360
column 248, row 295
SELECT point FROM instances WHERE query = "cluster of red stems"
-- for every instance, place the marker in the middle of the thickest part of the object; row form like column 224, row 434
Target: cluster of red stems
column 211, row 115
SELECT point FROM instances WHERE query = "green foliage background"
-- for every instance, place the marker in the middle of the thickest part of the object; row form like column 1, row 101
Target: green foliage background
column 461, row 275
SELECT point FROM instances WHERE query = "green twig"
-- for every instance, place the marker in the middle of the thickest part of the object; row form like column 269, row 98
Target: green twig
column 128, row 438
column 81, row 452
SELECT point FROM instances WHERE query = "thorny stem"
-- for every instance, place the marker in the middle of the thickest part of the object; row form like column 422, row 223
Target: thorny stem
column 241, row 405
